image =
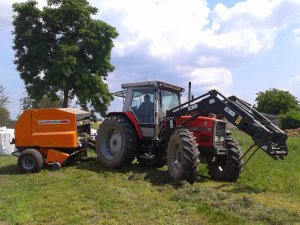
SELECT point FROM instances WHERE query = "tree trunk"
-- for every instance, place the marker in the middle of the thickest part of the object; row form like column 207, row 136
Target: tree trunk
column 66, row 99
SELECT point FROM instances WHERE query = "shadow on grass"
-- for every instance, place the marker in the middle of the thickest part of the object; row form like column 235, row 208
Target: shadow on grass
column 156, row 176
column 246, row 189
column 9, row 170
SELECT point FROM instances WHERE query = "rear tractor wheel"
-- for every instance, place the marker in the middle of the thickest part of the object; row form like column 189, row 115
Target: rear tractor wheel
column 183, row 155
column 116, row 142
column 227, row 167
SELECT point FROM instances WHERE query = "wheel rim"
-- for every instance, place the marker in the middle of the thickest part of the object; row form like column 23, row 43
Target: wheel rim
column 28, row 163
column 111, row 143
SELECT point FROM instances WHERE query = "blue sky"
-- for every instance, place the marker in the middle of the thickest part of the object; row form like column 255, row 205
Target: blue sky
column 238, row 47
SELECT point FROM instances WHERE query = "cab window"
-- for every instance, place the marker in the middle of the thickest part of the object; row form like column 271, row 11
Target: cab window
column 169, row 100
column 142, row 105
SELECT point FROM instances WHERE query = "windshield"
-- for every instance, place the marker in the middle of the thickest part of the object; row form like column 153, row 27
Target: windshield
column 169, row 100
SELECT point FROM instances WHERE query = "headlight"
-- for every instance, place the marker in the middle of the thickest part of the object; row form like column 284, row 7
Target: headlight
column 219, row 138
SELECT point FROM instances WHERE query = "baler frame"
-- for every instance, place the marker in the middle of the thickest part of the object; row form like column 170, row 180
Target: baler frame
column 51, row 137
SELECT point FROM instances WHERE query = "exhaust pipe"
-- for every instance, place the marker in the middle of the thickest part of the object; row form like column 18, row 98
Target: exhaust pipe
column 190, row 89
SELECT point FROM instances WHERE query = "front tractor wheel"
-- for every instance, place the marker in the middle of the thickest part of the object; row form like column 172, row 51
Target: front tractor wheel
column 30, row 161
column 116, row 142
column 183, row 155
column 227, row 167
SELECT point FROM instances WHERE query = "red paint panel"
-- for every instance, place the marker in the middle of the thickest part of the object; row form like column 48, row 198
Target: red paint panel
column 202, row 128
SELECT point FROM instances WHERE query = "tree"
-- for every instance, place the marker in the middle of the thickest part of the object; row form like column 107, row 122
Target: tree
column 4, row 113
column 275, row 101
column 4, row 117
column 62, row 51
column 45, row 102
column 3, row 97
column 290, row 119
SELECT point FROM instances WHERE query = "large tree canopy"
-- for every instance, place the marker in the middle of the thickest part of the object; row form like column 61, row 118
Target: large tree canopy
column 62, row 51
column 276, row 101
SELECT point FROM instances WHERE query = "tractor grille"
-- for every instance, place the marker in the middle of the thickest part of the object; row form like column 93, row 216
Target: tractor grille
column 205, row 138
column 219, row 138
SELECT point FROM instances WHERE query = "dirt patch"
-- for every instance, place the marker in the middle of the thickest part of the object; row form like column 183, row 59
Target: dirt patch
column 293, row 132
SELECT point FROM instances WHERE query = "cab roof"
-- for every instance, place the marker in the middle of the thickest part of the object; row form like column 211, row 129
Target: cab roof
column 154, row 83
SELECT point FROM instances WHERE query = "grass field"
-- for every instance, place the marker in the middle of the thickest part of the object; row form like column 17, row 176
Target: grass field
column 268, row 192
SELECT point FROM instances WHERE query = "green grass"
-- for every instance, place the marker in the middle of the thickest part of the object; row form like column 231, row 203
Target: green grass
column 264, row 173
column 95, row 125
column 87, row 193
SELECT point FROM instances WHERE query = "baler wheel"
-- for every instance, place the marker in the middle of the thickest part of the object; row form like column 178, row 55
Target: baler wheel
column 30, row 161
column 228, row 167
column 116, row 142
column 183, row 155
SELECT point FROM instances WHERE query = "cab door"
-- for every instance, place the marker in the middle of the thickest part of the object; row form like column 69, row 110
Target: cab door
column 143, row 107
column 168, row 100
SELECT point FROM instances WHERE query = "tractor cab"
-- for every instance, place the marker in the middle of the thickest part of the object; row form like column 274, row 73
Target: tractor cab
column 149, row 101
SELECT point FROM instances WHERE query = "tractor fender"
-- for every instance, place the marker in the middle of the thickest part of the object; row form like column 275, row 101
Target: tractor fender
column 131, row 118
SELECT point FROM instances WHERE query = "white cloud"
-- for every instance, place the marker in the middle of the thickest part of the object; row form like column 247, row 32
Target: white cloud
column 208, row 61
column 252, row 26
column 171, row 26
column 6, row 15
column 293, row 85
column 168, row 25
column 296, row 35
column 243, row 41
column 295, row 80
column 186, row 36
column 254, row 8
column 211, row 78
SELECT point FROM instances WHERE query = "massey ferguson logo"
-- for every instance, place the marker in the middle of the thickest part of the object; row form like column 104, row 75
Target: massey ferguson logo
column 44, row 122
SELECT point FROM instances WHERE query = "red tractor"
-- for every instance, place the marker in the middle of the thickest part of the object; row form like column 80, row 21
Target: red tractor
column 157, row 129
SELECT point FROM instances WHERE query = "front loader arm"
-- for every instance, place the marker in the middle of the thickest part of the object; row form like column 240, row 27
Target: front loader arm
column 264, row 133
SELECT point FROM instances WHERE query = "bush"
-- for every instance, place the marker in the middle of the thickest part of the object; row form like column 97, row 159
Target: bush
column 275, row 101
column 290, row 119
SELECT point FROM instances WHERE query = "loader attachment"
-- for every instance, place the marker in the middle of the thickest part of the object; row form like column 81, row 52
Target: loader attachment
column 264, row 133
column 241, row 114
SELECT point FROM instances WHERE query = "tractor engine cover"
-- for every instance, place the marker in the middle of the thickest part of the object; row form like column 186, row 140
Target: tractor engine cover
column 209, row 132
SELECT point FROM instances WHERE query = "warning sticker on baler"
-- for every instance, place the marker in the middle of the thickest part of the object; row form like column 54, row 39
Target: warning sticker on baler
column 44, row 122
